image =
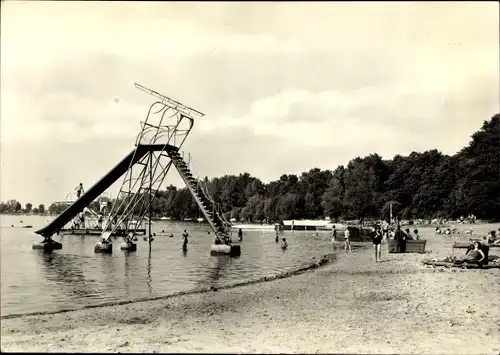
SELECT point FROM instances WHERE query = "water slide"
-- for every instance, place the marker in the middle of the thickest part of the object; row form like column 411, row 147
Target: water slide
column 91, row 194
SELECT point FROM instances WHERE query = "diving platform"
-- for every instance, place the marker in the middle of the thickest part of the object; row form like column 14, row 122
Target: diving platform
column 157, row 148
column 96, row 231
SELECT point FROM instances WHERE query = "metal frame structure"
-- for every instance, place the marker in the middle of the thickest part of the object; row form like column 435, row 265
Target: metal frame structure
column 167, row 123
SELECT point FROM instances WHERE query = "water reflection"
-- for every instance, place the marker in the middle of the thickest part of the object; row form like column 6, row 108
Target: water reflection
column 149, row 279
column 219, row 267
column 75, row 275
column 127, row 280
column 108, row 270
column 214, row 270
column 66, row 273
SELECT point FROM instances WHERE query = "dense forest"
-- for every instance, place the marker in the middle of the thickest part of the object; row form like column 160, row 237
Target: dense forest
column 421, row 185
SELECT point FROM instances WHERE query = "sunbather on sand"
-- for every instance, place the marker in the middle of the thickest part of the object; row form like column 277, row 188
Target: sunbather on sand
column 474, row 255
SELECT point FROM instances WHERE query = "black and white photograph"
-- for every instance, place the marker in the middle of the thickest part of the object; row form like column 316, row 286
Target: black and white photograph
column 250, row 177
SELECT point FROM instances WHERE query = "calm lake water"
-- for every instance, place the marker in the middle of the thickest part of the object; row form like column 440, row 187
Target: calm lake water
column 74, row 276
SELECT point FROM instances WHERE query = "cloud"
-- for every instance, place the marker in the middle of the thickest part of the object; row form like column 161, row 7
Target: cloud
column 284, row 86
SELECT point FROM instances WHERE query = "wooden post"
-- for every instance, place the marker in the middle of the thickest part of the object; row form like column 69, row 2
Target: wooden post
column 150, row 192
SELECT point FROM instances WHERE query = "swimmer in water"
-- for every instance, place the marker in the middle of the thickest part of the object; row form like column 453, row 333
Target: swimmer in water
column 284, row 244
column 185, row 235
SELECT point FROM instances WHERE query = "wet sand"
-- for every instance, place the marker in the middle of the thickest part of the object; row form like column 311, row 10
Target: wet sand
column 351, row 305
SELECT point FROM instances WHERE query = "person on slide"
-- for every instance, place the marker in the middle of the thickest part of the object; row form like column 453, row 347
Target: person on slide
column 79, row 190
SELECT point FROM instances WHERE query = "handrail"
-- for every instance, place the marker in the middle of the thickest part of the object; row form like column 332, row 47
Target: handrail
column 217, row 207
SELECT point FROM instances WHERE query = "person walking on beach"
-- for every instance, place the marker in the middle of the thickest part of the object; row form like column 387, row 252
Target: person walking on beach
column 79, row 190
column 385, row 230
column 399, row 237
column 347, row 241
column 334, row 235
column 377, row 241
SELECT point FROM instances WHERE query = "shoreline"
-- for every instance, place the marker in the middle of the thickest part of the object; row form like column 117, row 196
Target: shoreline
column 352, row 305
column 324, row 260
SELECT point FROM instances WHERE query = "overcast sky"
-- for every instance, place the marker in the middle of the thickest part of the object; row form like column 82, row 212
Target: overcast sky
column 285, row 86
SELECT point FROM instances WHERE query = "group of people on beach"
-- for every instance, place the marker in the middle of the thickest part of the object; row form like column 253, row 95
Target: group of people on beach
column 378, row 235
column 347, row 240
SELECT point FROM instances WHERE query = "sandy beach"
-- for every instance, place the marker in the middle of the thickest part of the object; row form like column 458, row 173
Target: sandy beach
column 350, row 305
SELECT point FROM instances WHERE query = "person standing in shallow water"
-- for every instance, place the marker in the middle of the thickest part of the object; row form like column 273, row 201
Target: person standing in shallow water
column 185, row 235
column 240, row 235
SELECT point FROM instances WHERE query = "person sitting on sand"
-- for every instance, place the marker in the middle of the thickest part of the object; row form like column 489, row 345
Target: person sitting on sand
column 474, row 254
column 347, row 240
column 415, row 231
column 284, row 244
column 497, row 238
column 492, row 237
column 408, row 234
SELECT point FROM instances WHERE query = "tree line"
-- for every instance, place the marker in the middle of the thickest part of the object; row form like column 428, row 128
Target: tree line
column 14, row 206
column 422, row 185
